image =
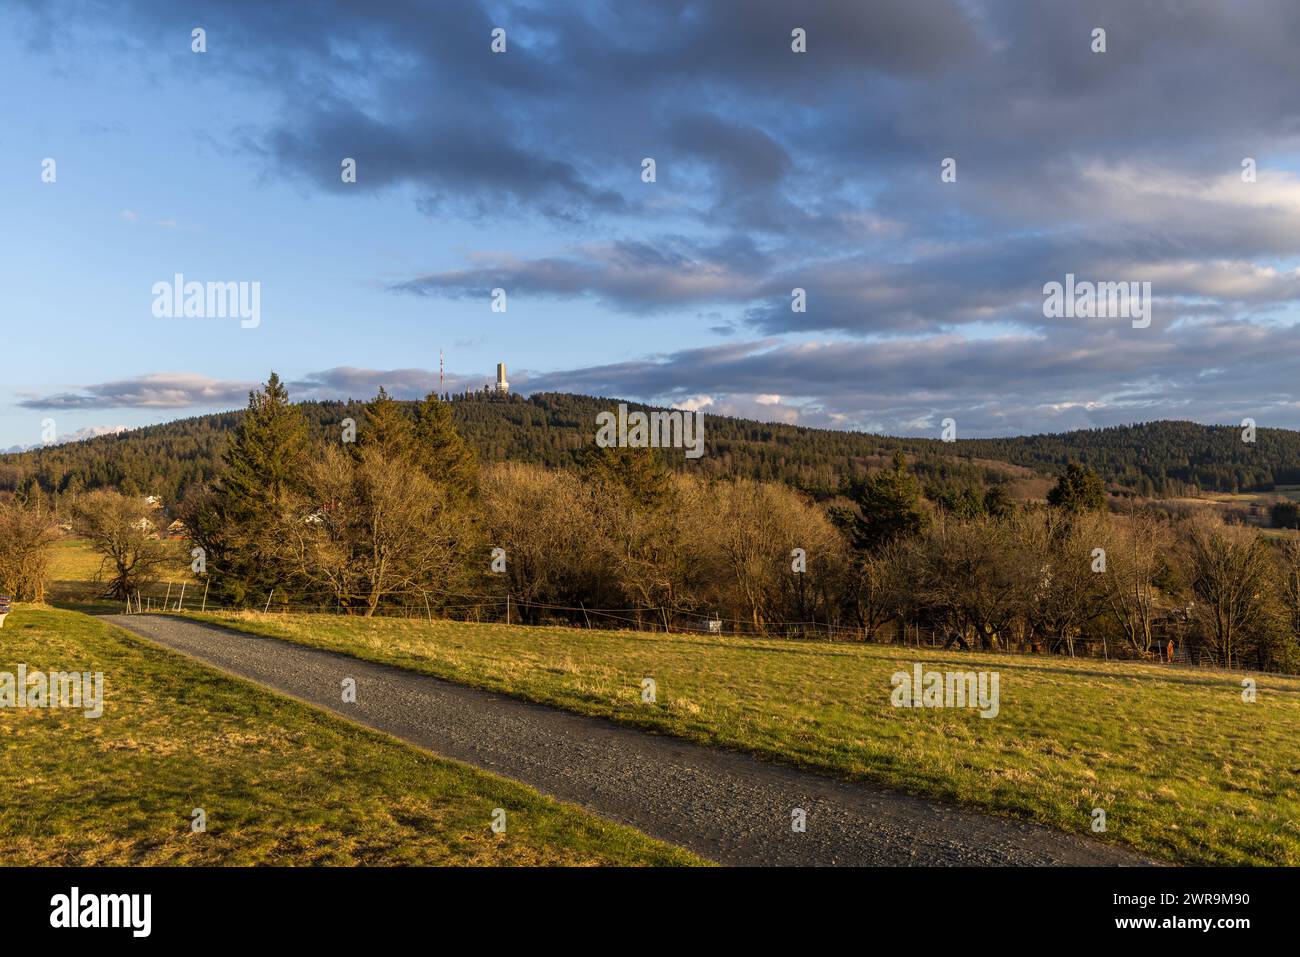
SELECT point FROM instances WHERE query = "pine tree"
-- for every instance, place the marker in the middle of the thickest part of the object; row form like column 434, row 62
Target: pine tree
column 240, row 524
column 386, row 426
column 639, row 473
column 265, row 459
column 1080, row 489
column 439, row 449
column 888, row 507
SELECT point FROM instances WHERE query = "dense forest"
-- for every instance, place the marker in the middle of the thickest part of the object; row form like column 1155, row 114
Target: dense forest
column 552, row 429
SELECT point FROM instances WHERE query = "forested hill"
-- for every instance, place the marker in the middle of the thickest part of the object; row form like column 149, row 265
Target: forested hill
column 1160, row 458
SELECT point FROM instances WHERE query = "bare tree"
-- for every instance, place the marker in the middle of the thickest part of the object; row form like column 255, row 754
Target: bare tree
column 1066, row 594
column 374, row 526
column 122, row 529
column 26, row 533
column 544, row 520
column 644, row 545
column 748, row 534
column 1229, row 568
column 878, row 587
column 1135, row 546
column 972, row 581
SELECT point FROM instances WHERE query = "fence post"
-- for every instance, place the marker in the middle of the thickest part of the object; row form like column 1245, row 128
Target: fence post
column 206, row 583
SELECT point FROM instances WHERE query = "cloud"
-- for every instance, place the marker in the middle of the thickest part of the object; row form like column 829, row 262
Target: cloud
column 820, row 171
column 630, row 275
column 349, row 382
column 1012, row 384
column 158, row 390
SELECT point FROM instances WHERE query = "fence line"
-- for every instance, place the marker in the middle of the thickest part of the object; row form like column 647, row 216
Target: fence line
column 493, row 608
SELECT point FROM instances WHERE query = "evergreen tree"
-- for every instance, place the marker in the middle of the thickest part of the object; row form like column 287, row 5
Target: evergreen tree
column 439, row 449
column 240, row 523
column 386, row 426
column 997, row 503
column 639, row 473
column 266, row 457
column 1080, row 489
column 887, row 508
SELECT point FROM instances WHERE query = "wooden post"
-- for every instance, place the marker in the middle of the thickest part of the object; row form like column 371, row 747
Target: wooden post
column 180, row 602
column 507, row 608
column 426, row 607
column 168, row 597
column 206, row 583
column 268, row 601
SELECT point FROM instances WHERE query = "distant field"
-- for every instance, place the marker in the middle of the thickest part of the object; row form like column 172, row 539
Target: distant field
column 75, row 564
column 1254, row 504
column 281, row 783
column 1182, row 766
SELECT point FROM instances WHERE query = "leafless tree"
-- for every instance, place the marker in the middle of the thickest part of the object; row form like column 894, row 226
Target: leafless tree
column 123, row 530
column 374, row 526
column 27, row 532
column 1135, row 547
column 1229, row 568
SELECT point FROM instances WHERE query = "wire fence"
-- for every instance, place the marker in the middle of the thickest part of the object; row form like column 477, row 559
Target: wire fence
column 508, row 608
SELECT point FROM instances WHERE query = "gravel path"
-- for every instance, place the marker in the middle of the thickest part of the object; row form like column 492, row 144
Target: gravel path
column 725, row 806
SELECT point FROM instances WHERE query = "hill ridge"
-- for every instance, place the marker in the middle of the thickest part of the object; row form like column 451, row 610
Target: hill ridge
column 1165, row 457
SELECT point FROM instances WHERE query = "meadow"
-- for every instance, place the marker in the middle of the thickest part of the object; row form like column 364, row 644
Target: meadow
column 279, row 782
column 1182, row 765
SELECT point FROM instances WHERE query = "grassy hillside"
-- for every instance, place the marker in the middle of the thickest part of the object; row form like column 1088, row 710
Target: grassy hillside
column 282, row 783
column 1184, row 768
column 1161, row 458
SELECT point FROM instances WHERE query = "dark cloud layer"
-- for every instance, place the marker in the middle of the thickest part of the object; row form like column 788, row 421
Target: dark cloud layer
column 821, row 170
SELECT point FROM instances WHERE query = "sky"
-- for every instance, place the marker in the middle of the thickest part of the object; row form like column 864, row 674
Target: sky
column 774, row 170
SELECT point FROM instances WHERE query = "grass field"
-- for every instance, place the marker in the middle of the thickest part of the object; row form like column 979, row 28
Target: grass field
column 281, row 783
column 74, row 565
column 1183, row 767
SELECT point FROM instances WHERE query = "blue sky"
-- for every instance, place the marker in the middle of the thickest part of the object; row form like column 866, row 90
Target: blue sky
column 775, row 169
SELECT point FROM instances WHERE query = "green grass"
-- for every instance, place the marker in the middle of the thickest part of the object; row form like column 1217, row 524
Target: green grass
column 74, row 565
column 1183, row 767
column 281, row 782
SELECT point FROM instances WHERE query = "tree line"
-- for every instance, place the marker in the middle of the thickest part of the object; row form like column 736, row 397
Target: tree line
column 552, row 429
column 391, row 511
